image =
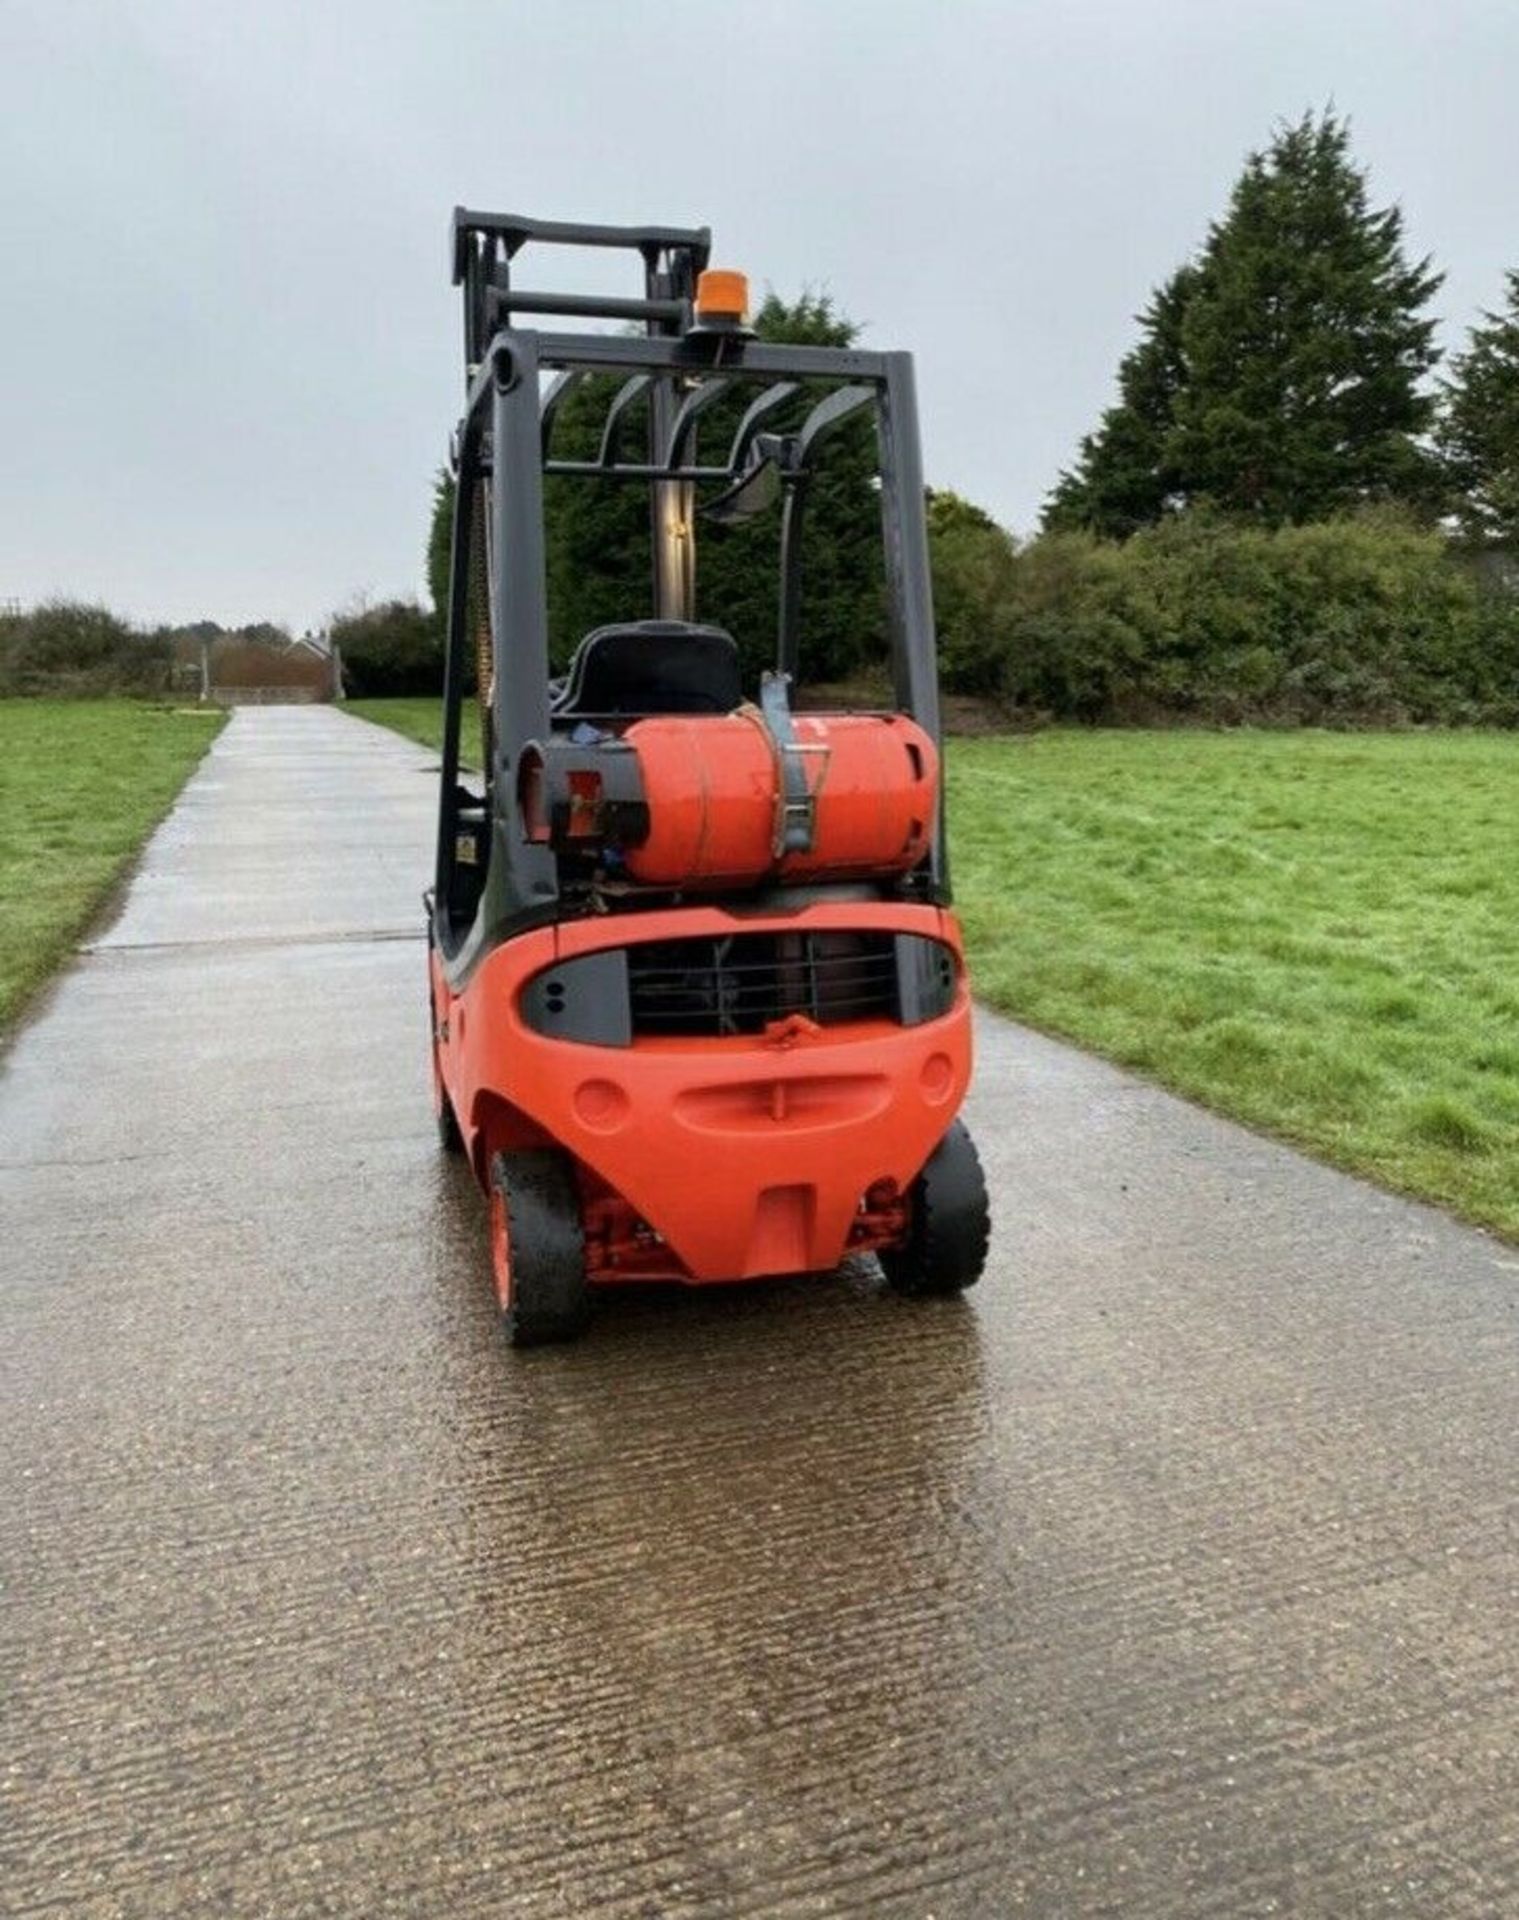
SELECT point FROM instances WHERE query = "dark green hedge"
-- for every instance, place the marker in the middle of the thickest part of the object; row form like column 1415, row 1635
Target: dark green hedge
column 64, row 647
column 389, row 649
column 1368, row 620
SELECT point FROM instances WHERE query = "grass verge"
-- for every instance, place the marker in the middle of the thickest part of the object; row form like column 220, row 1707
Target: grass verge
column 82, row 784
column 420, row 719
column 1309, row 932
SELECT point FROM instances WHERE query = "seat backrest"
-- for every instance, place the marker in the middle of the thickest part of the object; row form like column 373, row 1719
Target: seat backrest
column 642, row 667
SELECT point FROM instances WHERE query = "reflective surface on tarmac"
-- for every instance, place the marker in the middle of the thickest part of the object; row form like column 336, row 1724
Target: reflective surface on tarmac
column 1172, row 1572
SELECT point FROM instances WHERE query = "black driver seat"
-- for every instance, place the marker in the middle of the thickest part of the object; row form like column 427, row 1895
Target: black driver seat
column 640, row 667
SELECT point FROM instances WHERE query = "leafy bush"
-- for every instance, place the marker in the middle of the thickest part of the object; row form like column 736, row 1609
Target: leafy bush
column 1368, row 619
column 67, row 647
column 974, row 565
column 388, row 649
column 1075, row 641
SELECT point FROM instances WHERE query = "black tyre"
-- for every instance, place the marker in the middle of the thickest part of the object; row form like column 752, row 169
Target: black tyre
column 449, row 1137
column 949, row 1223
column 537, row 1248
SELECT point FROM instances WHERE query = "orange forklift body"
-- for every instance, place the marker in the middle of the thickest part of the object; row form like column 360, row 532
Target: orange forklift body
column 699, row 1006
column 738, row 1156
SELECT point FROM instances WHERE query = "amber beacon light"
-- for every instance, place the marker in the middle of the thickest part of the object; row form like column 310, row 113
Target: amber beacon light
column 722, row 297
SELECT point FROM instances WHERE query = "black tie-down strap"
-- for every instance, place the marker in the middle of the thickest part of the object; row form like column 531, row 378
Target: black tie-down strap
column 796, row 801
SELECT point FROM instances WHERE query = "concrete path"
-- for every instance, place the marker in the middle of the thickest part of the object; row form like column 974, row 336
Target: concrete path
column 1175, row 1572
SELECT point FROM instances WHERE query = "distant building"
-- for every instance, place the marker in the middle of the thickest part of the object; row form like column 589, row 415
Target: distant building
column 253, row 665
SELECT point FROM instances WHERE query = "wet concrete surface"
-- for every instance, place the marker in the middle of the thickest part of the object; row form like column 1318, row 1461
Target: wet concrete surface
column 1172, row 1572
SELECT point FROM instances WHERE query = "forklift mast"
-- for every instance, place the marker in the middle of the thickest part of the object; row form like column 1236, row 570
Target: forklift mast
column 673, row 260
column 694, row 349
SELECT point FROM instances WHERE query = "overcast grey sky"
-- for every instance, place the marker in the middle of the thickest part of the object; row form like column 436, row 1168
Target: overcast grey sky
column 229, row 353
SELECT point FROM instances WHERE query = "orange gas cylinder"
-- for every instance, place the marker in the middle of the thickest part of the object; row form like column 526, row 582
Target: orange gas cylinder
column 714, row 788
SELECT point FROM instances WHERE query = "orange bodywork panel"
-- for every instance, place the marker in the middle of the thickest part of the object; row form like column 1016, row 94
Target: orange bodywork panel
column 734, row 1156
column 715, row 787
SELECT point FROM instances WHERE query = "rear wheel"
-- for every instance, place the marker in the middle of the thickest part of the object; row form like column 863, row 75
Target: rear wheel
column 449, row 1137
column 537, row 1248
column 949, row 1223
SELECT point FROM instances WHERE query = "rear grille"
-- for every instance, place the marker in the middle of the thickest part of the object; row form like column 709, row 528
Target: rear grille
column 739, row 983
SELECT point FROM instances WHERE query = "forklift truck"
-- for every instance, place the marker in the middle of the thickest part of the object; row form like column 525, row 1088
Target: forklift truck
column 699, row 1009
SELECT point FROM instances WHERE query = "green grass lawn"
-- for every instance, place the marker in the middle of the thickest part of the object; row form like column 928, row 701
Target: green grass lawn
column 418, row 719
column 82, row 783
column 1314, row 933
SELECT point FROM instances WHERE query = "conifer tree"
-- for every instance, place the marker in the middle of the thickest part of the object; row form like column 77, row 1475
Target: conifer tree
column 1479, row 429
column 440, row 528
column 1285, row 377
column 1124, row 480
